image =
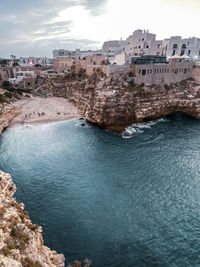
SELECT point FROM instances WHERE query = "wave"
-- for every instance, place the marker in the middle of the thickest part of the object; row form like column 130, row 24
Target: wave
column 136, row 127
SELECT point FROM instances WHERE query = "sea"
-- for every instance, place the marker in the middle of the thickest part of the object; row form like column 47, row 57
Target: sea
column 117, row 199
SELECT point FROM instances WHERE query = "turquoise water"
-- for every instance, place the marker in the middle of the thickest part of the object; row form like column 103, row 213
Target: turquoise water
column 117, row 201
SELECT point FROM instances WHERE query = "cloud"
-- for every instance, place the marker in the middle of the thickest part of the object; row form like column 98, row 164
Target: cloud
column 29, row 23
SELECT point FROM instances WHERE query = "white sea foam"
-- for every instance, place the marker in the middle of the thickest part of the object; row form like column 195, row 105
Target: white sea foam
column 136, row 127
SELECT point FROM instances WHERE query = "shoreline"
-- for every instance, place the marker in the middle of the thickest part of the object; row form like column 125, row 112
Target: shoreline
column 38, row 110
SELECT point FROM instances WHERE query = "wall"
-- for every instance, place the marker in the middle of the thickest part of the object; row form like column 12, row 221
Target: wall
column 196, row 73
column 6, row 73
column 63, row 64
column 163, row 73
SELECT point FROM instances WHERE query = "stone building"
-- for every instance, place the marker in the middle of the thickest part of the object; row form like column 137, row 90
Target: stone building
column 141, row 42
column 63, row 64
column 89, row 63
column 163, row 73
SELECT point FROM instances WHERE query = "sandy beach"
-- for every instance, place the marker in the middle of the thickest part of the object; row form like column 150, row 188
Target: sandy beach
column 44, row 110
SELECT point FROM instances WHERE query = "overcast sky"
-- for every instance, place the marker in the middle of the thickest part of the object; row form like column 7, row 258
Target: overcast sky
column 36, row 27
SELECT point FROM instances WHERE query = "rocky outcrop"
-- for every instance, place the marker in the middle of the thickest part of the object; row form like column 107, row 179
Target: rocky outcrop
column 6, row 117
column 21, row 242
column 114, row 103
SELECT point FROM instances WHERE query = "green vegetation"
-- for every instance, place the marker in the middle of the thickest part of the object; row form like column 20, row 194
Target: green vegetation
column 4, row 99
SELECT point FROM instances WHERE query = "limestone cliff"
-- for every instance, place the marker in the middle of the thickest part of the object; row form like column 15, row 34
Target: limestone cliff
column 21, row 242
column 6, row 117
column 114, row 103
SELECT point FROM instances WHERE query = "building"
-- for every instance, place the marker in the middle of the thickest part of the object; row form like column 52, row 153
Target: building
column 5, row 74
column 32, row 61
column 63, row 64
column 77, row 54
column 20, row 76
column 112, row 48
column 149, row 60
column 178, row 46
column 156, row 70
column 141, row 42
column 120, row 59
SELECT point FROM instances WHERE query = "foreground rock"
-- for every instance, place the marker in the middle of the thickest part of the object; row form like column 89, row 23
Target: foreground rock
column 116, row 102
column 21, row 242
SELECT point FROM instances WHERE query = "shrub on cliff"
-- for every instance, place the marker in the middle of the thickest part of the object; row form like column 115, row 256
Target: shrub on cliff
column 3, row 99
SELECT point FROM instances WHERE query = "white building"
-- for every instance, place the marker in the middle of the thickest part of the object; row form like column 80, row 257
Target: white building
column 120, row 59
column 112, row 48
column 76, row 54
column 178, row 46
column 20, row 75
column 141, row 42
column 32, row 61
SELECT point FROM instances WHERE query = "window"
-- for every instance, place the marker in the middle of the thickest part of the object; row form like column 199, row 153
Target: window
column 174, row 52
column 139, row 71
column 151, row 71
column 175, row 46
column 142, row 39
column 163, row 70
column 147, row 46
column 185, row 71
column 183, row 46
column 147, row 71
column 139, row 46
column 189, row 52
column 158, row 45
column 182, row 52
column 143, row 72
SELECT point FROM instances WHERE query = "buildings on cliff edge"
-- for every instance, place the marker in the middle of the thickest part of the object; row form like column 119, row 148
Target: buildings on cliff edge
column 150, row 61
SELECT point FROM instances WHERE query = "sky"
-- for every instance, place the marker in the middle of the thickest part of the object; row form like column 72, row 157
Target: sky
column 36, row 27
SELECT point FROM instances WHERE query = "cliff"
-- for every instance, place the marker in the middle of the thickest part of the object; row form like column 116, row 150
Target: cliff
column 6, row 117
column 116, row 102
column 7, row 110
column 21, row 242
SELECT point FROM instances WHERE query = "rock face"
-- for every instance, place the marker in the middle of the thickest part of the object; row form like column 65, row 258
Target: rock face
column 114, row 103
column 6, row 117
column 21, row 242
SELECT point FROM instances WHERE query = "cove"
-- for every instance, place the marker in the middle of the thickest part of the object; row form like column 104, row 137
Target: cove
column 117, row 201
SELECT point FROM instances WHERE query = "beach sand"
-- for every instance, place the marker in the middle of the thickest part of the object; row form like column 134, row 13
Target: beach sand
column 44, row 110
